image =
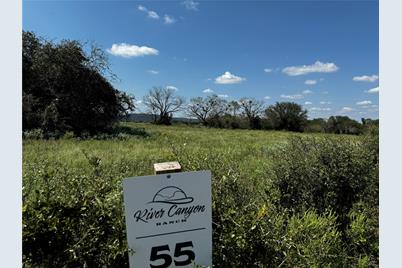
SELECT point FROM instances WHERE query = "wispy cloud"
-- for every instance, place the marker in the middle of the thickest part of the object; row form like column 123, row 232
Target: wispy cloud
column 268, row 70
column 307, row 91
column 365, row 102
column 346, row 109
column 267, row 98
column 153, row 72
column 169, row 19
column 325, row 102
column 317, row 67
column 292, row 97
column 373, row 90
column 366, row 78
column 223, row 96
column 228, row 78
column 151, row 14
column 319, row 109
column 190, row 4
column 310, row 82
column 172, row 88
column 129, row 51
column 308, row 103
column 208, row 90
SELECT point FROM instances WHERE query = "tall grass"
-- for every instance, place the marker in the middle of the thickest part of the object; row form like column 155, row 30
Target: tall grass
column 73, row 209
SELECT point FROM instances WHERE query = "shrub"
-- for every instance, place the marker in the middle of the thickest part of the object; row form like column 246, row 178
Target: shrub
column 321, row 174
column 313, row 241
column 73, row 219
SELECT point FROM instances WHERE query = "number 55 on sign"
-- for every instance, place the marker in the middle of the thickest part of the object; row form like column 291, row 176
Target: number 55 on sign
column 168, row 220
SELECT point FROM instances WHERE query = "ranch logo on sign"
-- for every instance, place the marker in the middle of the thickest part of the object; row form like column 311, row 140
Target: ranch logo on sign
column 170, row 205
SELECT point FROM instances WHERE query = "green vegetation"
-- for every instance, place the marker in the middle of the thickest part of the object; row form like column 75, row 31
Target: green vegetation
column 280, row 199
column 66, row 88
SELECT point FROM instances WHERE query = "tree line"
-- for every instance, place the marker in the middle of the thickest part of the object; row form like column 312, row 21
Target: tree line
column 246, row 113
column 67, row 86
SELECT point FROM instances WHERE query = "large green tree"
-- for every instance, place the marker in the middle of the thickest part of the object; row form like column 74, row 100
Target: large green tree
column 343, row 125
column 66, row 88
column 287, row 115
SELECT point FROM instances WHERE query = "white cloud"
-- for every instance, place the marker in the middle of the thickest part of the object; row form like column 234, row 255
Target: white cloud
column 292, row 97
column 223, row 96
column 153, row 72
column 142, row 8
column 172, row 88
column 138, row 102
column 346, row 109
column 267, row 70
column 307, row 91
column 325, row 102
column 228, row 78
column 169, row 19
column 310, row 82
column 208, row 90
column 128, row 51
column 153, row 15
column 365, row 102
column 373, row 90
column 190, row 4
column 317, row 67
column 366, row 78
column 267, row 98
column 308, row 103
column 319, row 109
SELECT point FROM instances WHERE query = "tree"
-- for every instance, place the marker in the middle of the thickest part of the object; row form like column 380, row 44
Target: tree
column 64, row 88
column 343, row 125
column 233, row 107
column 316, row 125
column 201, row 108
column 252, row 109
column 164, row 101
column 287, row 115
column 127, row 103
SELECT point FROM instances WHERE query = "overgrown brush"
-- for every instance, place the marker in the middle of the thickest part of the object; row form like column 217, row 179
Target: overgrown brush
column 299, row 202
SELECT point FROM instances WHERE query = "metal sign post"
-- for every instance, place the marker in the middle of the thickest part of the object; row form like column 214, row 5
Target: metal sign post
column 169, row 219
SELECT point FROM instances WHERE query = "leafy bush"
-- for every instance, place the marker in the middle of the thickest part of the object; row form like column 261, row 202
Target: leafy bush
column 337, row 174
column 313, row 241
column 327, row 173
column 74, row 223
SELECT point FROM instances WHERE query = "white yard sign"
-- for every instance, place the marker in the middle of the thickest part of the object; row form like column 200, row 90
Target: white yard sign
column 169, row 220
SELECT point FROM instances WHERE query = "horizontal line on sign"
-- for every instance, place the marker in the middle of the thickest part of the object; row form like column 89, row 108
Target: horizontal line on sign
column 190, row 230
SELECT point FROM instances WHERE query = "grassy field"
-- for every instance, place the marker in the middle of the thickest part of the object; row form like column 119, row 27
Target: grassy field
column 247, row 148
column 72, row 197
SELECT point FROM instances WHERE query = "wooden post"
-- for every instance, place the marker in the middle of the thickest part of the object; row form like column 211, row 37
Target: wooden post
column 167, row 167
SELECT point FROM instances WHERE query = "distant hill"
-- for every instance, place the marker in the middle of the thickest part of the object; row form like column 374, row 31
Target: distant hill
column 146, row 118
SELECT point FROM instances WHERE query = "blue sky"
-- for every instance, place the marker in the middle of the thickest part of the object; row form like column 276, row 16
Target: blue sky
column 321, row 54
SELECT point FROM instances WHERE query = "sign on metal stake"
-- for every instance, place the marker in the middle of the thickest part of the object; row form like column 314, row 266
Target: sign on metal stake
column 168, row 219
